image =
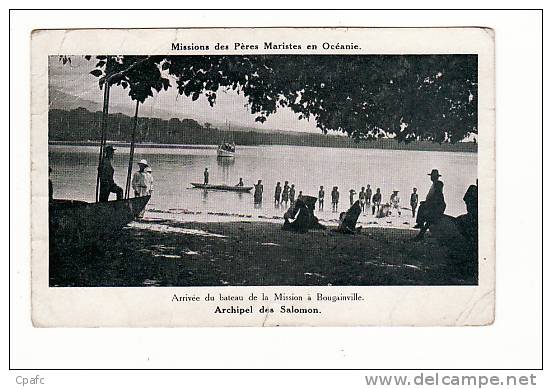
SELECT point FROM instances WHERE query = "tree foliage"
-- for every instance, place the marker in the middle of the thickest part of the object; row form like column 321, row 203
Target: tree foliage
column 408, row 97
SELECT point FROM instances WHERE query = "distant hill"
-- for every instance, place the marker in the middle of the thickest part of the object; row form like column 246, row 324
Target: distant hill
column 81, row 125
column 67, row 102
column 63, row 101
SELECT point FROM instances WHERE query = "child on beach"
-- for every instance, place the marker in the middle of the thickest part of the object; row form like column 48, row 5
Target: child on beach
column 285, row 193
column 277, row 193
column 335, row 198
column 368, row 197
column 292, row 194
column 376, row 201
column 321, row 195
column 362, row 199
column 414, row 201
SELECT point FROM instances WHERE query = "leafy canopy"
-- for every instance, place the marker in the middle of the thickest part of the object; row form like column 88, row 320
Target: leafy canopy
column 409, row 97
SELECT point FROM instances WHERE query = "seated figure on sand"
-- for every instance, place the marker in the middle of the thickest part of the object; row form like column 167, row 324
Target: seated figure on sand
column 468, row 223
column 348, row 220
column 383, row 210
column 302, row 211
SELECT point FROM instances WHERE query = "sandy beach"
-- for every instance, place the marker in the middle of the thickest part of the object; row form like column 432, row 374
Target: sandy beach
column 171, row 253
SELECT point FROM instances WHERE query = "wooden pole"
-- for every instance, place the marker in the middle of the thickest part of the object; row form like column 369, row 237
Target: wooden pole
column 131, row 156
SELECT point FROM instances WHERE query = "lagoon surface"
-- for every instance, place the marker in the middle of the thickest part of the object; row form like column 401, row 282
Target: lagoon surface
column 75, row 167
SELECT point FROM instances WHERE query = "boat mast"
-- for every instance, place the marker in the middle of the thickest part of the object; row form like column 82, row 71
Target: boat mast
column 131, row 157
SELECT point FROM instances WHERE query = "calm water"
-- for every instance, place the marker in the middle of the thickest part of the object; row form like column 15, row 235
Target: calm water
column 74, row 177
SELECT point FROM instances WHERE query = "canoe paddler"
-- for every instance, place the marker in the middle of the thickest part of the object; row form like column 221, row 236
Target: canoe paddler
column 107, row 184
column 140, row 179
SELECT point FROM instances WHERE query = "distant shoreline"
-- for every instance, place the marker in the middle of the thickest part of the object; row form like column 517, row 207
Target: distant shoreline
column 213, row 146
column 127, row 144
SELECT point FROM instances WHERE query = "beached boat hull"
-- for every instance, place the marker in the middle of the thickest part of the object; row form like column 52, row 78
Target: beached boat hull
column 223, row 187
column 74, row 221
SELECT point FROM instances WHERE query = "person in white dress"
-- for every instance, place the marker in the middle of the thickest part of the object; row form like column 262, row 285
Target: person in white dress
column 149, row 180
column 140, row 182
column 139, row 179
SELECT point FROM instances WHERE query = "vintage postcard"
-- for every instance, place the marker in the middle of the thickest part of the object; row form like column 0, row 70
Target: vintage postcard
column 263, row 177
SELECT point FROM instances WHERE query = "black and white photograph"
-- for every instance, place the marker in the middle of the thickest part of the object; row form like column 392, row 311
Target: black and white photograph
column 263, row 170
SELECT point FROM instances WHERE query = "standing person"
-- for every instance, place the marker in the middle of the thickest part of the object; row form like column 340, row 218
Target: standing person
column 376, row 201
column 321, row 195
column 285, row 193
column 139, row 179
column 277, row 193
column 362, row 199
column 395, row 202
column 434, row 205
column 335, row 198
column 414, row 201
column 206, row 176
column 292, row 194
column 149, row 180
column 352, row 196
column 258, row 195
column 107, row 184
column 368, row 197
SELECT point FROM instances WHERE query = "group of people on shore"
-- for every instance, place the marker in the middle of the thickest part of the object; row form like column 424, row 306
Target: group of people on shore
column 286, row 195
column 283, row 195
column 369, row 201
column 429, row 212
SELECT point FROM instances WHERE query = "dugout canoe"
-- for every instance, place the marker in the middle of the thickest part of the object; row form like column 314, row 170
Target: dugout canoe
column 228, row 188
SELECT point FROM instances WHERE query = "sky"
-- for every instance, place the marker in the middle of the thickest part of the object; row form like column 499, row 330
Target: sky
column 75, row 79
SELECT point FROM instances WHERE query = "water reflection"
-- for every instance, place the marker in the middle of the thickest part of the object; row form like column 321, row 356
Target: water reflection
column 225, row 163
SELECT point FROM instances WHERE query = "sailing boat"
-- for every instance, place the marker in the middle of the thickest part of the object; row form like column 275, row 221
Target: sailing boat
column 226, row 149
column 81, row 222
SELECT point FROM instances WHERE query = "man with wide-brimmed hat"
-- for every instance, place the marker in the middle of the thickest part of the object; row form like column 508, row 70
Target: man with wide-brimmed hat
column 107, row 184
column 140, row 179
column 434, row 205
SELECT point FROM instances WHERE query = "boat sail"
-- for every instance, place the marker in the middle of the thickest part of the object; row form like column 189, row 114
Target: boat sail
column 226, row 149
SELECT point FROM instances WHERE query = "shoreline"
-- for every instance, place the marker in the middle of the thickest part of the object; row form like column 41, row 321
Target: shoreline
column 214, row 146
